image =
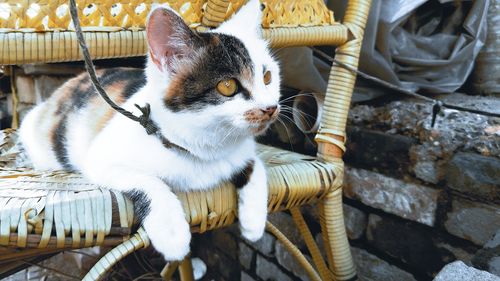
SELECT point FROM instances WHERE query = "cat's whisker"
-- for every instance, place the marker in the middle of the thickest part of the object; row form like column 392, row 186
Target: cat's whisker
column 296, row 95
column 293, row 122
column 299, row 111
column 286, row 130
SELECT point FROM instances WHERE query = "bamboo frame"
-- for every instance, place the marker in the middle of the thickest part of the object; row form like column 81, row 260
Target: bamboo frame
column 294, row 179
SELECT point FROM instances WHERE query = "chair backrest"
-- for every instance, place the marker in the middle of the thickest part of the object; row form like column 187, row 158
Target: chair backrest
column 109, row 15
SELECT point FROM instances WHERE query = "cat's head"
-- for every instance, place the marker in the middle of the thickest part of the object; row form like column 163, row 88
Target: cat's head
column 225, row 79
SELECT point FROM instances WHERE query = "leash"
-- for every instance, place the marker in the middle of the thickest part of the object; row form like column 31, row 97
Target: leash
column 144, row 120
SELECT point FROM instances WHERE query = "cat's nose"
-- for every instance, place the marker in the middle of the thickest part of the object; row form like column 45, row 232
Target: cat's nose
column 270, row 110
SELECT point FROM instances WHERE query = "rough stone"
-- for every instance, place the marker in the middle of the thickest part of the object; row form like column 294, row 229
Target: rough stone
column 246, row 255
column 268, row 271
column 46, row 85
column 25, row 89
column 370, row 267
column 286, row 260
column 223, row 265
column 473, row 221
column 453, row 252
column 284, row 222
column 355, row 222
column 265, row 245
column 72, row 264
column 246, row 277
column 494, row 266
column 407, row 200
column 453, row 128
column 407, row 241
column 225, row 242
column 475, row 175
column 427, row 162
column 458, row 271
column 488, row 258
column 369, row 148
column 494, row 242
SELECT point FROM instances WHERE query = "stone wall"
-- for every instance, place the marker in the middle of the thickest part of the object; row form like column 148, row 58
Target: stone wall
column 416, row 198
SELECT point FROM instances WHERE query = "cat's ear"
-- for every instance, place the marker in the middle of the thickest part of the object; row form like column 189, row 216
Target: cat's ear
column 247, row 19
column 169, row 38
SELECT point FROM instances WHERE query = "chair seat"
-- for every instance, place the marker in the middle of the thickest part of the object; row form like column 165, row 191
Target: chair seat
column 56, row 210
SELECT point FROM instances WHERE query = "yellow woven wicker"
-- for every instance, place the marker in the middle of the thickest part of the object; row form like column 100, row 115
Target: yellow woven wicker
column 46, row 221
column 116, row 28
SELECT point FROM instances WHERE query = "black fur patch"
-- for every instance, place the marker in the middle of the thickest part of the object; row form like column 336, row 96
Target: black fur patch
column 142, row 204
column 134, row 78
column 223, row 57
column 242, row 177
column 59, row 142
column 82, row 93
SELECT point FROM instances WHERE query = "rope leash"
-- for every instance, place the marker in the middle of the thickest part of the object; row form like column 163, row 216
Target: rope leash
column 144, row 120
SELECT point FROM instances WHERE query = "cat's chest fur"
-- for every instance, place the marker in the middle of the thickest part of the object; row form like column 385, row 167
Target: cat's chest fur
column 124, row 143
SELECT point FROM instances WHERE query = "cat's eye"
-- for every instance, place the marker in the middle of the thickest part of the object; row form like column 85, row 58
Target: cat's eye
column 227, row 87
column 267, row 77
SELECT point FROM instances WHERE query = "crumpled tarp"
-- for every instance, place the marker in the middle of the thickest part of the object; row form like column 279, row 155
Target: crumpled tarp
column 422, row 44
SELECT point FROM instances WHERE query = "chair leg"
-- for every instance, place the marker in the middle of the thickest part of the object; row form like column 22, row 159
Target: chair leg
column 335, row 237
column 136, row 242
column 186, row 270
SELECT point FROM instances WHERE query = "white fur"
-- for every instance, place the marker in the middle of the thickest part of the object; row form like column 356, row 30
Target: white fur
column 123, row 157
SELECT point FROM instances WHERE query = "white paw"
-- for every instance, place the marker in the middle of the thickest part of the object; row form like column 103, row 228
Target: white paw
column 252, row 228
column 169, row 236
column 252, row 235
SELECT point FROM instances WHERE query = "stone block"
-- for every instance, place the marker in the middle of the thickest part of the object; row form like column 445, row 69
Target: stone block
column 475, row 175
column 409, row 242
column 25, row 89
column 269, row 271
column 265, row 245
column 427, row 162
column 227, row 267
column 454, row 252
column 494, row 242
column 370, row 267
column 369, row 148
column 473, row 221
column 458, row 271
column 225, row 242
column 407, row 200
column 284, row 222
column 355, row 222
column 488, row 258
column 246, row 255
column 289, row 262
column 46, row 85
column 246, row 277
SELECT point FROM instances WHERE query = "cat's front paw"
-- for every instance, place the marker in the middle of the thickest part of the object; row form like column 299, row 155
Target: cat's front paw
column 252, row 234
column 252, row 226
column 169, row 235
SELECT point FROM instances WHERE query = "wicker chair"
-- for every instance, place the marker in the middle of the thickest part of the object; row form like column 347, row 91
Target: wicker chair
column 42, row 213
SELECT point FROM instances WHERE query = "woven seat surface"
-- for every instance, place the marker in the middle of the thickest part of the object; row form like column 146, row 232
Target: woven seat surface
column 59, row 210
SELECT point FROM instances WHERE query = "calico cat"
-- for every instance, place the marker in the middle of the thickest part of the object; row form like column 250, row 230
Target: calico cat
column 210, row 94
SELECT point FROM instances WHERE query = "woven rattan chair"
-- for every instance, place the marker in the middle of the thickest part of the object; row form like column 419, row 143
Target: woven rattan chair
column 42, row 213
